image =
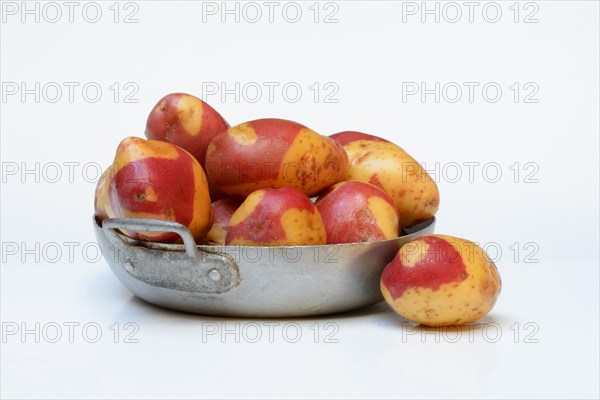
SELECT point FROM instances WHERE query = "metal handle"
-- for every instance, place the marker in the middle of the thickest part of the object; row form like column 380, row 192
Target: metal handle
column 110, row 227
column 192, row 271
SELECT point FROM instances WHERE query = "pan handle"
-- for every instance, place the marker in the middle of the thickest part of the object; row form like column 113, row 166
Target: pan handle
column 110, row 227
column 194, row 271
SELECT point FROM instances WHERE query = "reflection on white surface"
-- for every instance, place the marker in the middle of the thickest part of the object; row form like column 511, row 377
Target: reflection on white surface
column 365, row 353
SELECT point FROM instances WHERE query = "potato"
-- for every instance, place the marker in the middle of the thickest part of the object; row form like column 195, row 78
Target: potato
column 154, row 179
column 440, row 280
column 388, row 166
column 188, row 122
column 102, row 208
column 222, row 210
column 354, row 211
column 276, row 217
column 274, row 153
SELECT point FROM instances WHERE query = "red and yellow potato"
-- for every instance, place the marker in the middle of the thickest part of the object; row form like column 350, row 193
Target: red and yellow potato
column 439, row 280
column 222, row 210
column 388, row 166
column 354, row 211
column 186, row 121
column 274, row 153
column 154, row 179
column 276, row 217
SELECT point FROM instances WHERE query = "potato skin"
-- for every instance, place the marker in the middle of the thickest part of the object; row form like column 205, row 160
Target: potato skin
column 102, row 208
column 389, row 167
column 274, row 153
column 223, row 209
column 186, row 121
column 346, row 137
column 154, row 179
column 276, row 217
column 440, row 280
column 354, row 211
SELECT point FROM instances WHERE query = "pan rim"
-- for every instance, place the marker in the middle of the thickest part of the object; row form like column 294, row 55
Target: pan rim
column 414, row 231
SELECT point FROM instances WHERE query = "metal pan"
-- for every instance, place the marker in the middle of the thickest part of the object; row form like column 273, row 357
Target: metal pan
column 247, row 281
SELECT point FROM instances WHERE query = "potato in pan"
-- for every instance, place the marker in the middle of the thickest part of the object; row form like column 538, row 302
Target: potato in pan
column 155, row 179
column 274, row 153
column 223, row 210
column 276, row 217
column 388, row 166
column 354, row 211
column 188, row 122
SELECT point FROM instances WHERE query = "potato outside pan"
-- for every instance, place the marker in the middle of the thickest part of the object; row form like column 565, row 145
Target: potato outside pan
column 247, row 281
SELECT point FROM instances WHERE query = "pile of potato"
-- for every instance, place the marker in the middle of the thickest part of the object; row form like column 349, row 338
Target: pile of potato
column 260, row 176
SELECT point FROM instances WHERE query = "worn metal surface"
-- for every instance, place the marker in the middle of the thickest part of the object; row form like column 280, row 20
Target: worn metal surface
column 247, row 281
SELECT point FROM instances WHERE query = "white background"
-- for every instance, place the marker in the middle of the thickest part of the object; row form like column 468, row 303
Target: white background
column 542, row 225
